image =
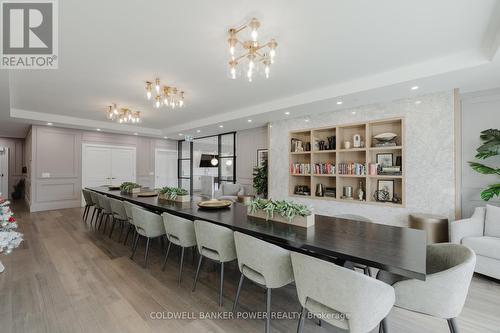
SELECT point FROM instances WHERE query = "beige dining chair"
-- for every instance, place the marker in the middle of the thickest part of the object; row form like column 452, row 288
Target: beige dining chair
column 148, row 225
column 119, row 216
column 88, row 204
column 266, row 264
column 215, row 243
column 97, row 208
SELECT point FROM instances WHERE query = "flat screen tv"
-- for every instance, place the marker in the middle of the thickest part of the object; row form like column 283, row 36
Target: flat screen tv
column 205, row 161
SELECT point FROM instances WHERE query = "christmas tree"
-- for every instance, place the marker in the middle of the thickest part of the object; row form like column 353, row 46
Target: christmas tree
column 9, row 239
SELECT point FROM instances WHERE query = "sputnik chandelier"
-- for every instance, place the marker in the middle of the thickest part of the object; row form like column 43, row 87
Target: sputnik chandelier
column 123, row 115
column 164, row 95
column 252, row 51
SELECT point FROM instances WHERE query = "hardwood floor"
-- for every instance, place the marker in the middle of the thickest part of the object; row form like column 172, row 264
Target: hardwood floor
column 68, row 278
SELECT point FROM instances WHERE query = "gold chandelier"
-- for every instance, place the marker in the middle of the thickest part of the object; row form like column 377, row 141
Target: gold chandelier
column 255, row 53
column 123, row 115
column 164, row 95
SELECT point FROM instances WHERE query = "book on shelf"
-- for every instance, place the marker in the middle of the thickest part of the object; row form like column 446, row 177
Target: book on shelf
column 326, row 168
column 300, row 168
column 351, row 168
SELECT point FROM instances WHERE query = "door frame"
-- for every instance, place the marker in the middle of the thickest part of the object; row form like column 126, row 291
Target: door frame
column 5, row 171
column 156, row 161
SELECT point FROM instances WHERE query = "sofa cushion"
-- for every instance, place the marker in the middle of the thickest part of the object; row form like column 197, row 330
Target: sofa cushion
column 492, row 221
column 230, row 189
column 484, row 246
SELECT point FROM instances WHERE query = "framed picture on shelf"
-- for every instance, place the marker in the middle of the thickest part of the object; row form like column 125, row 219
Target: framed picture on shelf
column 384, row 159
column 385, row 190
column 261, row 156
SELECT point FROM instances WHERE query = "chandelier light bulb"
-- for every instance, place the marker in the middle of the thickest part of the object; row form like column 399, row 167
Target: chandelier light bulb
column 157, row 86
column 148, row 90
column 254, row 25
column 267, row 70
column 157, row 102
column 115, row 110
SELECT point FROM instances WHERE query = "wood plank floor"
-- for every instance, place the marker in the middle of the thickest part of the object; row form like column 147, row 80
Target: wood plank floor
column 68, row 278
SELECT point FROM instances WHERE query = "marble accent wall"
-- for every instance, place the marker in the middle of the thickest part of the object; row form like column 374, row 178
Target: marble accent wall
column 429, row 153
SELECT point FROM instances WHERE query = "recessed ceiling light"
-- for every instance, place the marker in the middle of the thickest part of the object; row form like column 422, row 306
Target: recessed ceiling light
column 165, row 137
column 306, row 120
column 136, row 134
column 414, row 88
column 221, row 126
column 353, row 112
column 198, row 131
column 339, row 102
column 271, row 126
column 98, row 129
column 287, row 113
column 180, row 134
column 418, row 102
column 49, row 124
column 249, row 120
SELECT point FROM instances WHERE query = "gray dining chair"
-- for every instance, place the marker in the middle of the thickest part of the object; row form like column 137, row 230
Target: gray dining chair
column 216, row 243
column 266, row 264
column 131, row 228
column 179, row 232
column 148, row 225
column 88, row 203
column 341, row 297
column 97, row 208
column 119, row 215
column 364, row 268
column 449, row 272
column 106, row 213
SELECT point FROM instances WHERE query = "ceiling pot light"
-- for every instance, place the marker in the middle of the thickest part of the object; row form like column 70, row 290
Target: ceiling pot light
column 418, row 102
column 180, row 134
column 98, row 129
column 221, row 126
column 136, row 134
column 198, row 131
column 249, row 120
column 49, row 124
column 165, row 137
column 287, row 113
column 340, row 102
column 414, row 88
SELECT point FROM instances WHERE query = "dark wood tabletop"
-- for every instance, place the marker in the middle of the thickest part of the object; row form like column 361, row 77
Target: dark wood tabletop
column 394, row 249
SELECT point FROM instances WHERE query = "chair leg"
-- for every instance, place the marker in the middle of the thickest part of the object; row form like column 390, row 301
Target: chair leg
column 452, row 324
column 197, row 272
column 84, row 212
column 242, row 277
column 97, row 218
column 136, row 242
column 221, row 282
column 366, row 270
column 121, row 229
column 182, row 262
column 166, row 256
column 106, row 219
column 100, row 221
column 113, row 222
column 383, row 327
column 268, row 310
column 146, row 253
column 92, row 217
column 302, row 318
column 128, row 232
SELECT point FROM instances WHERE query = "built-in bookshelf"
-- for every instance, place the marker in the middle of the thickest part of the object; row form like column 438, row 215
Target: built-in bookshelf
column 348, row 156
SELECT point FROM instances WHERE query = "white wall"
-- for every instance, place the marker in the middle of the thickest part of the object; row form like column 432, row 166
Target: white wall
column 16, row 160
column 480, row 111
column 57, row 151
column 247, row 143
column 429, row 153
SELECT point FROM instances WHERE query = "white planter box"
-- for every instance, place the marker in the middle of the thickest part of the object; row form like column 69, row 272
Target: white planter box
column 179, row 198
column 300, row 221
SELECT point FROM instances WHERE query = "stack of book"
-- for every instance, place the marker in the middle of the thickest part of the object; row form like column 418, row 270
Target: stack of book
column 300, row 168
column 352, row 168
column 325, row 168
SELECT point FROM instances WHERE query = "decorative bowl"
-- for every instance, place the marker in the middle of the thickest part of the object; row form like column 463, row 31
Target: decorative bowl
column 384, row 137
column 214, row 204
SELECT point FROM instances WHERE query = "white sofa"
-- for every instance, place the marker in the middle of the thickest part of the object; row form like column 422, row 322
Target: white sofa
column 228, row 191
column 481, row 232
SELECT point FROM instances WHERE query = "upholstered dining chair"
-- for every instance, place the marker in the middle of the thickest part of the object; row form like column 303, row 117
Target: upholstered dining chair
column 216, row 243
column 88, row 203
column 97, row 208
column 449, row 272
column 365, row 268
column 106, row 213
column 341, row 297
column 131, row 228
column 119, row 215
column 179, row 232
column 266, row 264
column 149, row 225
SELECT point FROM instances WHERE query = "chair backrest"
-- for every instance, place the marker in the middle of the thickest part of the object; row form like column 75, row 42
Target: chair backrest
column 268, row 260
column 87, row 197
column 354, row 217
column 95, row 199
column 146, row 223
column 118, row 209
column 179, row 231
column 353, row 301
column 213, row 237
column 128, row 210
column 104, row 203
column 449, row 272
column 231, row 189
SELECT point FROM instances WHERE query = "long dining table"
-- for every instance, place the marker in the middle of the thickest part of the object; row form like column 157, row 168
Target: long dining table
column 395, row 249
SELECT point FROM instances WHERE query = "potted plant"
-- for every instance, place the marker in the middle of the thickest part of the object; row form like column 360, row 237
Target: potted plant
column 281, row 211
column 173, row 194
column 490, row 147
column 260, row 179
column 130, row 187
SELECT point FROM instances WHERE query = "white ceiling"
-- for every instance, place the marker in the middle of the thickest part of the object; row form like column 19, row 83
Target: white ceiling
column 363, row 50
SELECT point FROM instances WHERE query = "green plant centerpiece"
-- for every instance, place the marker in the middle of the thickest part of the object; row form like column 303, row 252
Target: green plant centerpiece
column 130, row 187
column 173, row 194
column 260, row 179
column 490, row 147
column 281, row 211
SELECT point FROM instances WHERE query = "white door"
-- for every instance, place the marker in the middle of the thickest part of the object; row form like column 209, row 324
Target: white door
column 96, row 166
column 4, row 172
column 122, row 165
column 165, row 168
